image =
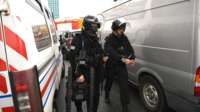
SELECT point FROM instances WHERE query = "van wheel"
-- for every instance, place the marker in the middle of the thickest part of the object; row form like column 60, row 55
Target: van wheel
column 152, row 95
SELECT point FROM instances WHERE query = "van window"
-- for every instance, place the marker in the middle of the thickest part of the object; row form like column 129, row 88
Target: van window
column 53, row 30
column 52, row 25
column 39, row 26
column 42, row 38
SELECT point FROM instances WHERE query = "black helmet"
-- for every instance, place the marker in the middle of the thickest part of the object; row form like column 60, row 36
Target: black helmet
column 90, row 23
column 119, row 23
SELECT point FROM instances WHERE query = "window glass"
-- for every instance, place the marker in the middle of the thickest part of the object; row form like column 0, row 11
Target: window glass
column 53, row 31
column 52, row 26
column 39, row 26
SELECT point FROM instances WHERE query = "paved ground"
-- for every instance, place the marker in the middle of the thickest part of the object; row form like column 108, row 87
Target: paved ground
column 135, row 104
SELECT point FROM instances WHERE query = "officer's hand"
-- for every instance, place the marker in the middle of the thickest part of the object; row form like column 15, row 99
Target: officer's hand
column 132, row 62
column 80, row 79
column 127, row 61
column 105, row 58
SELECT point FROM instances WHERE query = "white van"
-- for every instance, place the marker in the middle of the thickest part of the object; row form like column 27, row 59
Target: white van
column 28, row 38
column 165, row 35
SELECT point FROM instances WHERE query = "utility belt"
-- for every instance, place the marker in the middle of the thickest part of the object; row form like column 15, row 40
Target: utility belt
column 81, row 90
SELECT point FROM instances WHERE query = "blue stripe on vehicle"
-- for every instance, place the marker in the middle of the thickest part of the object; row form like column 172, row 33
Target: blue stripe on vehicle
column 47, row 72
column 58, row 60
column 6, row 96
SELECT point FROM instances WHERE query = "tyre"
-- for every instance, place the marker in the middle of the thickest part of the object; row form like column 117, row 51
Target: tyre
column 152, row 95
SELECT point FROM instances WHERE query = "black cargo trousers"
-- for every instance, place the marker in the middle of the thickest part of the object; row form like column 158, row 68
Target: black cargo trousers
column 109, row 78
column 119, row 72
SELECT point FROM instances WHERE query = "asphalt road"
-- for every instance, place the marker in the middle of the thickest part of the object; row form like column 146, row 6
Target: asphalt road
column 134, row 106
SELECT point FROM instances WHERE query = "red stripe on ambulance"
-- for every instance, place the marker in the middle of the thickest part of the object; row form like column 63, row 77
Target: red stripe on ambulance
column 3, row 66
column 3, row 85
column 15, row 42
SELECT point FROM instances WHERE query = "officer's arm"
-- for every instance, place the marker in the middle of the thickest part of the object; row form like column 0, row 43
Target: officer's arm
column 111, row 51
column 101, row 53
column 130, row 49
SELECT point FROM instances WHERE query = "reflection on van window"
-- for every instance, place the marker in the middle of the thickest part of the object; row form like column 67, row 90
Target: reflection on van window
column 53, row 31
column 42, row 38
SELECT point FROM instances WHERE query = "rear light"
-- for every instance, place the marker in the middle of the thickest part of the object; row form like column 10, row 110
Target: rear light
column 23, row 98
column 197, row 83
column 3, row 85
column 26, row 90
column 197, row 91
column 197, row 79
column 8, row 109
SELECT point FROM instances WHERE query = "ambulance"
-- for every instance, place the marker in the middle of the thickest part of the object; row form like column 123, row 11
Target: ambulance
column 31, row 63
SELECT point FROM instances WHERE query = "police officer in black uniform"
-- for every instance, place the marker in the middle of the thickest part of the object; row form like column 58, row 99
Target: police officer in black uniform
column 121, row 53
column 89, row 40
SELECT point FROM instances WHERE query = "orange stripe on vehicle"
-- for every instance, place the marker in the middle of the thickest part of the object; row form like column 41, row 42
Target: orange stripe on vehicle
column 15, row 42
column 48, row 81
column 3, row 66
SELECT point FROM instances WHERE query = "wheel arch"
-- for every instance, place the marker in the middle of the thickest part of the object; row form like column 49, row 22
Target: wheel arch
column 149, row 72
